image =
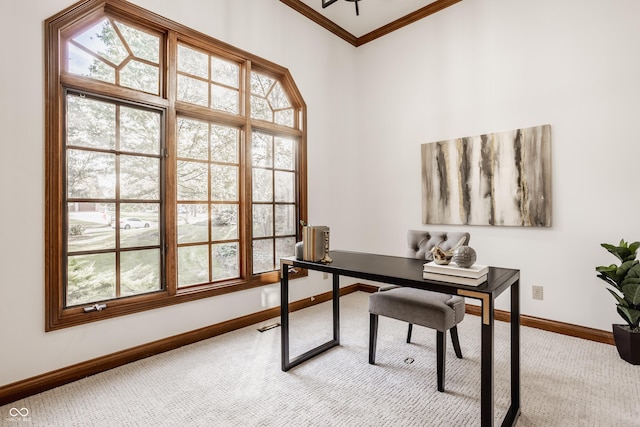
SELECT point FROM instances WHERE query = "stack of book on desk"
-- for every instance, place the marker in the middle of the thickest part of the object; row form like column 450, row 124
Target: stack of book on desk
column 453, row 273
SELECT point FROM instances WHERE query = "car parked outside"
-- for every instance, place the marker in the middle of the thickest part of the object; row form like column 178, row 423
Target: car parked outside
column 128, row 223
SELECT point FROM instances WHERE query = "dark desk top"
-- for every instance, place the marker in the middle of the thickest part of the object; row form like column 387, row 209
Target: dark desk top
column 403, row 271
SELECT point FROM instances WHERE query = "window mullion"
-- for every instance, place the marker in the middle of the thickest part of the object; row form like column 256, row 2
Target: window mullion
column 246, row 197
column 273, row 200
column 209, row 200
column 118, row 203
column 170, row 191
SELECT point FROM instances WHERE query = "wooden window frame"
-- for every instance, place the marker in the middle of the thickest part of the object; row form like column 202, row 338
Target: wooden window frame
column 57, row 82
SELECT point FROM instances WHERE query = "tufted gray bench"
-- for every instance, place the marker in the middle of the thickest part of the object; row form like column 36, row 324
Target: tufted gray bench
column 433, row 310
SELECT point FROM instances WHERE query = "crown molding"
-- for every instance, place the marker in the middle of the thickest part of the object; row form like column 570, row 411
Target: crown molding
column 321, row 20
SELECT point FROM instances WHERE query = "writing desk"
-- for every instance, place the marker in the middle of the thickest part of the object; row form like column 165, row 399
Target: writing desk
column 408, row 272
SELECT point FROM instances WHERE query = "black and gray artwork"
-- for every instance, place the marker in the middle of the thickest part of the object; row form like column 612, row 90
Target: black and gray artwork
column 500, row 178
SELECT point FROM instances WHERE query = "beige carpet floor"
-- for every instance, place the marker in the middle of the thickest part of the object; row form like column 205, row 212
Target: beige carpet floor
column 235, row 380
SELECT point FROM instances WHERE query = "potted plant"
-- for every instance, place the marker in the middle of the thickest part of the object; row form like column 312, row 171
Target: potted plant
column 625, row 281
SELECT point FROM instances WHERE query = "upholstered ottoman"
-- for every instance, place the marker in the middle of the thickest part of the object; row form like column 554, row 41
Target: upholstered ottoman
column 441, row 312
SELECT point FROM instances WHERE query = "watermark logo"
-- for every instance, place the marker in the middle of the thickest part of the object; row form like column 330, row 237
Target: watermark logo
column 19, row 415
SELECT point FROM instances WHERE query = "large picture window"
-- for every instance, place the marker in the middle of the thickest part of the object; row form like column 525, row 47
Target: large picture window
column 176, row 164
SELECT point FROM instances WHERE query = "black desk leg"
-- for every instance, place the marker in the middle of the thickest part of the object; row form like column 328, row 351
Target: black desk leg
column 284, row 322
column 514, row 409
column 486, row 371
column 336, row 308
column 284, row 316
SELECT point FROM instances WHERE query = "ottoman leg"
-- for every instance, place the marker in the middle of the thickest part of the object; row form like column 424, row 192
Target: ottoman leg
column 373, row 337
column 456, row 341
column 440, row 350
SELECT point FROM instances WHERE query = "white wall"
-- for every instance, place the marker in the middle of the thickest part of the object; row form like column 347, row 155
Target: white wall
column 480, row 66
column 483, row 66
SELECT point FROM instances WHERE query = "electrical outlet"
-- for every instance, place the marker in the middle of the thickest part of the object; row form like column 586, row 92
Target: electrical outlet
column 537, row 292
column 325, row 275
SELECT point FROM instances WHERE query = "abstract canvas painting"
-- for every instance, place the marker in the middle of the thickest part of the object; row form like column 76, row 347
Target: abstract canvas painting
column 501, row 178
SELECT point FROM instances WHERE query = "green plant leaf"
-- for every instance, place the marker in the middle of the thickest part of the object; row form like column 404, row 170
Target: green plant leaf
column 632, row 273
column 616, row 250
column 620, row 299
column 630, row 315
column 625, row 279
column 624, row 251
column 632, row 293
column 630, row 281
column 625, row 267
column 611, row 267
column 608, row 273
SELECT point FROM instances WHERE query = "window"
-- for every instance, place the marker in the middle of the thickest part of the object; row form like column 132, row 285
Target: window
column 176, row 164
column 273, row 209
column 208, row 176
column 113, row 198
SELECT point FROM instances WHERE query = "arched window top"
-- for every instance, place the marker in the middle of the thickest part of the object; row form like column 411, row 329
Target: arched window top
column 114, row 52
column 270, row 101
